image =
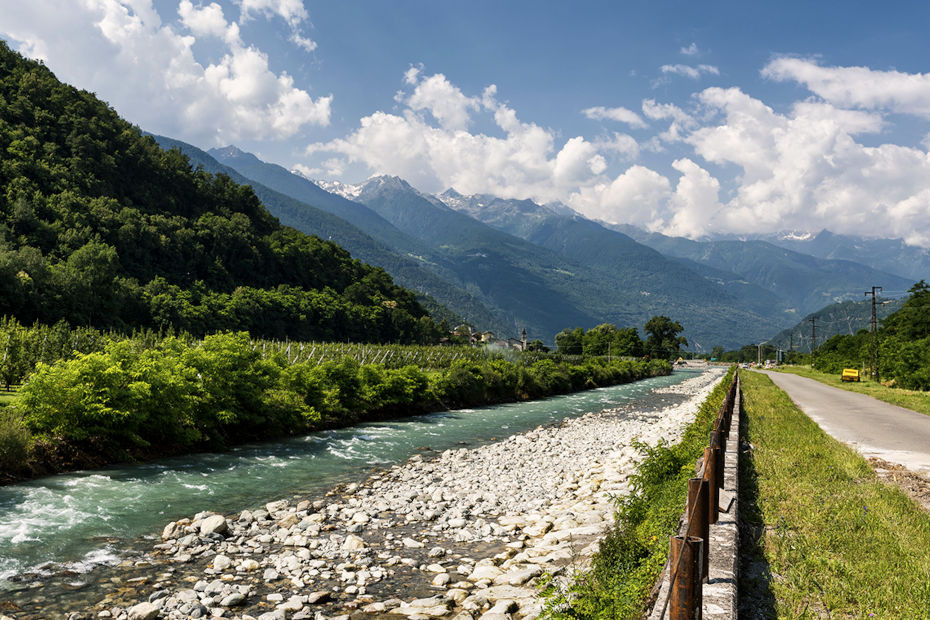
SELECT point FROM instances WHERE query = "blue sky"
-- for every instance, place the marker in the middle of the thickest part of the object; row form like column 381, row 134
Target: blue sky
column 689, row 118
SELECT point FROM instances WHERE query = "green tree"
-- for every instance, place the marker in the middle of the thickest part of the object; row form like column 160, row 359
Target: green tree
column 599, row 340
column 570, row 341
column 628, row 343
column 663, row 341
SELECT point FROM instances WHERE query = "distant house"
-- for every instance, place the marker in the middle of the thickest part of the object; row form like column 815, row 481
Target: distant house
column 488, row 337
column 514, row 343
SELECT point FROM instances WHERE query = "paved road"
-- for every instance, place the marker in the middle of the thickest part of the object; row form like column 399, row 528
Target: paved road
column 873, row 427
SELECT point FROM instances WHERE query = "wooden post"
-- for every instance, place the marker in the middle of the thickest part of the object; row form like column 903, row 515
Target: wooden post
column 697, row 513
column 710, row 475
column 686, row 595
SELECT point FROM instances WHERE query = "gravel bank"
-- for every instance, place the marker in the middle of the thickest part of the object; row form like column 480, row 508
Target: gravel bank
column 464, row 535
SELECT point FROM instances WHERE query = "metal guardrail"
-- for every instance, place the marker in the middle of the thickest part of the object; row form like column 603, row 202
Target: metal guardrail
column 688, row 553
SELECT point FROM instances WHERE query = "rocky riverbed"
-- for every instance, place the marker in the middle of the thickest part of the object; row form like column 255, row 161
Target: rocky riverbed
column 463, row 534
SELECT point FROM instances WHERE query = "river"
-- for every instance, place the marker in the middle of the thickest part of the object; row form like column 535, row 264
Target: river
column 78, row 520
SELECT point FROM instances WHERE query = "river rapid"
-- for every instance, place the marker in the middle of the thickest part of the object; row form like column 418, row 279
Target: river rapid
column 57, row 535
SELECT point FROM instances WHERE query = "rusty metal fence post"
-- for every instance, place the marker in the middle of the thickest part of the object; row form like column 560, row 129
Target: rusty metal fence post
column 686, row 590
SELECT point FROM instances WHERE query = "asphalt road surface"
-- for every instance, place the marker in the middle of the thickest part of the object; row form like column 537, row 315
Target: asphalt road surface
column 871, row 426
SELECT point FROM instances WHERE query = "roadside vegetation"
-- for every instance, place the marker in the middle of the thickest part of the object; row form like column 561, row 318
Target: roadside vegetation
column 823, row 535
column 909, row 399
column 632, row 555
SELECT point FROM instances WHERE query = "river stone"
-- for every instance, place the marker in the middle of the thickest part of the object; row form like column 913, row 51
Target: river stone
column 518, row 577
column 288, row 521
column 172, row 530
column 221, row 562
column 484, row 572
column 353, row 543
column 505, row 606
column 412, row 544
column 236, row 598
column 441, row 580
column 273, row 507
column 249, row 564
column 215, row 524
column 143, row 611
column 318, row 597
column 295, row 603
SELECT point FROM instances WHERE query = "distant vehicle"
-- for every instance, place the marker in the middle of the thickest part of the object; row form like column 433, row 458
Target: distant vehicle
column 849, row 374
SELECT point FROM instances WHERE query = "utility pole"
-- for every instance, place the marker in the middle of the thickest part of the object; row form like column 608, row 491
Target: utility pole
column 874, row 326
column 813, row 321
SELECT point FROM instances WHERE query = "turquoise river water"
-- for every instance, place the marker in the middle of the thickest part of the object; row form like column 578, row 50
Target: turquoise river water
column 81, row 519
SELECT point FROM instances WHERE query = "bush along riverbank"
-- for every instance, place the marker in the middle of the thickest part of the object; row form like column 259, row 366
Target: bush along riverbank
column 631, row 556
column 133, row 400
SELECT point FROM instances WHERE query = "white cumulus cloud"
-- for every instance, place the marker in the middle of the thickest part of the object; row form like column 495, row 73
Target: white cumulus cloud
column 619, row 114
column 147, row 69
column 291, row 11
column 806, row 170
column 442, row 99
column 861, row 87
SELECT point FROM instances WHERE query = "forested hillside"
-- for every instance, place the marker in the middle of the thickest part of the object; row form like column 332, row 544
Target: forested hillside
column 99, row 226
column 354, row 227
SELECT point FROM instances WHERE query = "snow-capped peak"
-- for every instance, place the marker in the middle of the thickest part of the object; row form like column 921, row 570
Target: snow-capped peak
column 339, row 188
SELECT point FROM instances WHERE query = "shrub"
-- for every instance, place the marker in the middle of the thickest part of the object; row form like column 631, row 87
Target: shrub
column 14, row 440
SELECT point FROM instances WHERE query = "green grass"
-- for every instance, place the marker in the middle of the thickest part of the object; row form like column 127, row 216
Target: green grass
column 838, row 542
column 909, row 399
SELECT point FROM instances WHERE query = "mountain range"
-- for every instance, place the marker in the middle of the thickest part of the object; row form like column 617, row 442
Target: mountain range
column 505, row 264
column 803, row 282
column 544, row 287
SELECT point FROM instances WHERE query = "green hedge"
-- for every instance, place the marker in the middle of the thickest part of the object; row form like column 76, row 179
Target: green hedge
column 222, row 390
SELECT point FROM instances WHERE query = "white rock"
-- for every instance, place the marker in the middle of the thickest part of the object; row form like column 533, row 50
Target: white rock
column 484, row 572
column 249, row 565
column 353, row 543
column 214, row 524
column 143, row 611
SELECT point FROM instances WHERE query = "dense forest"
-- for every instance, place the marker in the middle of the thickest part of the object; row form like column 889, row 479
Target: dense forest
column 101, row 227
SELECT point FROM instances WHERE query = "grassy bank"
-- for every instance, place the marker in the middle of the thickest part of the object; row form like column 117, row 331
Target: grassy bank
column 632, row 555
column 823, row 536
column 909, row 399
column 137, row 400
